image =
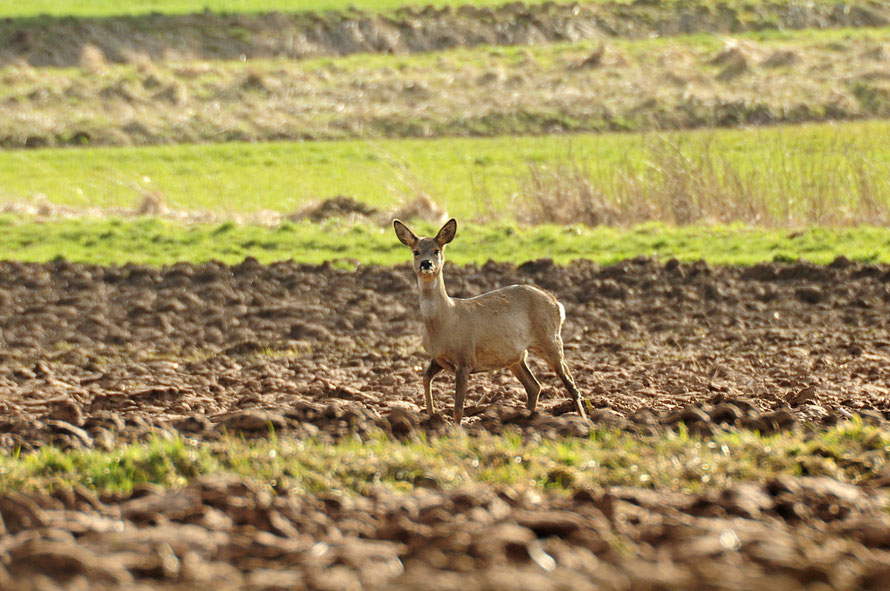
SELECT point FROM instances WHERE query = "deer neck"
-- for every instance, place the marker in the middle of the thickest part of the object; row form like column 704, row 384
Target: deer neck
column 435, row 303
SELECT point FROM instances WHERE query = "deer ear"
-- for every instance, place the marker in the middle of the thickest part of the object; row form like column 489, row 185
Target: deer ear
column 405, row 235
column 446, row 234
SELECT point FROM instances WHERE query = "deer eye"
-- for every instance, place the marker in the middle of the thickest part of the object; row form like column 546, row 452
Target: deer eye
column 417, row 253
column 436, row 251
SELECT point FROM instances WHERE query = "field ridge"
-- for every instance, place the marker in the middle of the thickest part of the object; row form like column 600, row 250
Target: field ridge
column 58, row 41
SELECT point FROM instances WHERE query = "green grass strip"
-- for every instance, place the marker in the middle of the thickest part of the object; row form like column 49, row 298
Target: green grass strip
column 850, row 452
column 113, row 241
column 784, row 167
column 90, row 8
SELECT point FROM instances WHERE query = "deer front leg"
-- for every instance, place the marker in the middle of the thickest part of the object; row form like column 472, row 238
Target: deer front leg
column 428, row 376
column 460, row 392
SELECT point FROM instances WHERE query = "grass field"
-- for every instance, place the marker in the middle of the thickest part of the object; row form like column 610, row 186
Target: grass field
column 155, row 242
column 672, row 461
column 109, row 7
column 793, row 170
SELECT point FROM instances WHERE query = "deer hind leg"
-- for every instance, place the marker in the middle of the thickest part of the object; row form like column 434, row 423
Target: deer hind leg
column 431, row 371
column 555, row 357
column 460, row 392
column 524, row 374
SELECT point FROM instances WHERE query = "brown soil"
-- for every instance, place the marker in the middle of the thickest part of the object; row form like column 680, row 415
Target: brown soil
column 221, row 533
column 47, row 41
column 92, row 355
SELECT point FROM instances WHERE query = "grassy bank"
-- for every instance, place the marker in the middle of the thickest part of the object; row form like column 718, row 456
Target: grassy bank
column 807, row 174
column 689, row 81
column 114, row 241
column 850, row 452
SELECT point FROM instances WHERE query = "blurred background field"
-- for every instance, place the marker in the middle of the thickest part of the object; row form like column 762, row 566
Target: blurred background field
column 763, row 116
column 110, row 7
column 589, row 85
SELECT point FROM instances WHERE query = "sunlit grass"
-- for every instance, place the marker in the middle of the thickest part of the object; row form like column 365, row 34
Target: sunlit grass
column 134, row 7
column 472, row 178
column 151, row 241
column 851, row 452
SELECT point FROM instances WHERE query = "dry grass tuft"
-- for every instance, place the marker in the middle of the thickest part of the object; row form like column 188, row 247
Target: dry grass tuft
column 92, row 59
column 143, row 62
column 565, row 195
column 780, row 59
column 689, row 184
column 175, row 93
column 733, row 49
column 735, row 58
column 878, row 53
column 595, row 59
column 43, row 207
column 153, row 203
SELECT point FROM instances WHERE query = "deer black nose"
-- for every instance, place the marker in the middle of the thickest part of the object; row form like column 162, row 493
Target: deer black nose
column 424, row 264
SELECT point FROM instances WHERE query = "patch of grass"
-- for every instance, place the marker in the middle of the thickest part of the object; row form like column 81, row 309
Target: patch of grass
column 471, row 178
column 850, row 452
column 151, row 241
column 164, row 462
column 134, row 7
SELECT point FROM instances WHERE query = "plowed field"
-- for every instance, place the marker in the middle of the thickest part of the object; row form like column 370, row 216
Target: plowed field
column 90, row 356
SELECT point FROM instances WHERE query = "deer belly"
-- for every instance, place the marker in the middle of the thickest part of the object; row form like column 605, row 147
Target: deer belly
column 479, row 355
column 491, row 359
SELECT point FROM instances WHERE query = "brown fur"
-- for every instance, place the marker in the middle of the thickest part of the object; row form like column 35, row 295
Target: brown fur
column 491, row 331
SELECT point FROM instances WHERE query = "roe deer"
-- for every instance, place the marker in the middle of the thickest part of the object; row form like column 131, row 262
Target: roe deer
column 491, row 331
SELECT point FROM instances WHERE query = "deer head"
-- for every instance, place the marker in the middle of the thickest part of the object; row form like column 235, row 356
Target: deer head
column 429, row 253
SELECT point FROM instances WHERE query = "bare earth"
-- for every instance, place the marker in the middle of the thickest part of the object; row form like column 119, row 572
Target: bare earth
column 91, row 355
